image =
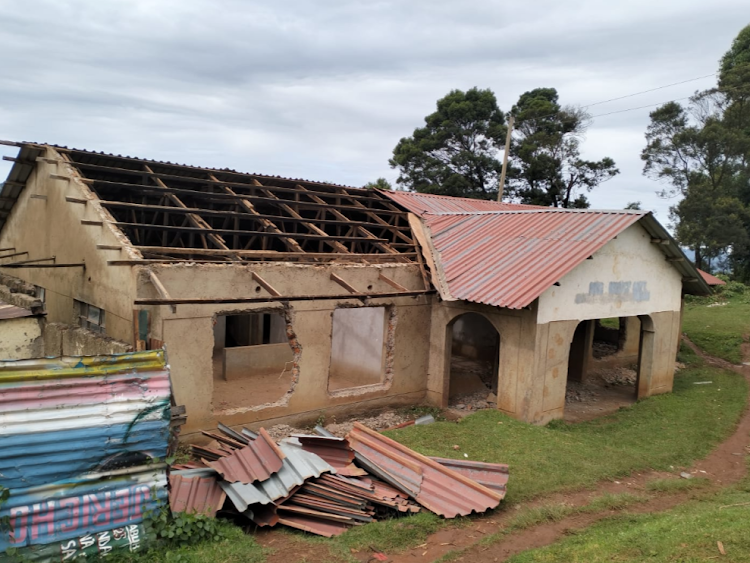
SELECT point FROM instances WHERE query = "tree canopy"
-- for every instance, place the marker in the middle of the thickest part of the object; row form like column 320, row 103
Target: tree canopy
column 458, row 151
column 455, row 153
column 701, row 151
column 547, row 168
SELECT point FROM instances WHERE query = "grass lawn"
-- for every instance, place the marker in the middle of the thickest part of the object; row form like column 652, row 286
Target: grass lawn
column 718, row 329
column 686, row 534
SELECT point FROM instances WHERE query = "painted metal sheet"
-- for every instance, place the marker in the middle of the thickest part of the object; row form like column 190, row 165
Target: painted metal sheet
column 195, row 491
column 711, row 279
column 441, row 490
column 335, row 451
column 298, row 466
column 420, row 204
column 80, row 439
column 509, row 258
column 257, row 461
column 8, row 311
column 491, row 475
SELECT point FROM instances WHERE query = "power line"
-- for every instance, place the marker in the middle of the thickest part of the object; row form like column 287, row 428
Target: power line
column 640, row 107
column 651, row 90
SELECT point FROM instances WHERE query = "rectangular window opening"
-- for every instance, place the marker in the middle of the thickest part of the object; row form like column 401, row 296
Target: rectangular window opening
column 253, row 362
column 90, row 317
column 357, row 347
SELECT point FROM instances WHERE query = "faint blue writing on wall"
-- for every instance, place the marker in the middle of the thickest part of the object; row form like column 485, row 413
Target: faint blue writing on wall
column 617, row 292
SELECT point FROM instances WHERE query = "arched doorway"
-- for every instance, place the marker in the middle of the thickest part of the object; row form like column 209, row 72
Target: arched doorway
column 473, row 344
column 601, row 383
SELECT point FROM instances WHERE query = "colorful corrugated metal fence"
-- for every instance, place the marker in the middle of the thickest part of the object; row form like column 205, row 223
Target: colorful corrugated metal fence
column 82, row 441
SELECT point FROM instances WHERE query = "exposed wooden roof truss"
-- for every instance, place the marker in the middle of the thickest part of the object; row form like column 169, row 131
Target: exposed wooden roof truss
column 174, row 212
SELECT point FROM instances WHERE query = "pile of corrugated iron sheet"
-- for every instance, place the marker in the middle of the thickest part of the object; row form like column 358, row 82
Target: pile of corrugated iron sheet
column 325, row 485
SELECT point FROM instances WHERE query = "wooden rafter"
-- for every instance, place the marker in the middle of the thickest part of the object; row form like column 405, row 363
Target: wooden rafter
column 193, row 218
column 332, row 242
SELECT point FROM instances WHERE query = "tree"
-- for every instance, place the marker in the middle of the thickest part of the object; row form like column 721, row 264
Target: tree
column 634, row 205
column 455, row 153
column 379, row 184
column 702, row 153
column 547, row 168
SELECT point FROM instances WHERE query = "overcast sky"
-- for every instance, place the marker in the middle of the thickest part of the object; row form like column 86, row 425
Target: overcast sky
column 324, row 90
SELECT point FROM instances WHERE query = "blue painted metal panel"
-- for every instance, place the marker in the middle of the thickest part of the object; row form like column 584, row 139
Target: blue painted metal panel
column 80, row 444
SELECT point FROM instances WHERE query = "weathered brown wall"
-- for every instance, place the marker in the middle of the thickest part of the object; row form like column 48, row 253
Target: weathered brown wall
column 67, row 340
column 515, row 373
column 188, row 334
column 52, row 227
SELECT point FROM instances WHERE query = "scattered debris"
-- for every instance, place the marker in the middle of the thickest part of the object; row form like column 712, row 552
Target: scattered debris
column 702, row 382
column 618, row 376
column 324, row 484
column 685, row 475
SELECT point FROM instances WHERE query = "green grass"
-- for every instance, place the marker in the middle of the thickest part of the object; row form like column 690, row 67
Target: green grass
column 664, row 431
column 613, row 322
column 686, row 534
column 718, row 330
column 676, row 485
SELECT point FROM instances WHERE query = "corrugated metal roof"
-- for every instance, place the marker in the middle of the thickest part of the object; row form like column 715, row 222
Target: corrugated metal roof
column 509, row 258
column 298, row 466
column 79, row 437
column 491, row 475
column 441, row 490
column 8, row 311
column 711, row 279
column 420, row 204
column 335, row 451
column 195, row 491
column 257, row 461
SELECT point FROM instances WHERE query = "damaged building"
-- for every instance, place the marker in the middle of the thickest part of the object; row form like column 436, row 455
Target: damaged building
column 281, row 299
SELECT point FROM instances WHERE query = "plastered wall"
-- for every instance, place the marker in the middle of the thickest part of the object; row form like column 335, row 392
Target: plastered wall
column 188, row 334
column 21, row 338
column 52, row 227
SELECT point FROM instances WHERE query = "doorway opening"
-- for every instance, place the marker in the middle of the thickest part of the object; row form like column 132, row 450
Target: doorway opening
column 253, row 362
column 604, row 366
column 474, row 347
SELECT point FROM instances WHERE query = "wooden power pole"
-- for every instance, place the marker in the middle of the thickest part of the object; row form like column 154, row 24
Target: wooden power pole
column 505, row 159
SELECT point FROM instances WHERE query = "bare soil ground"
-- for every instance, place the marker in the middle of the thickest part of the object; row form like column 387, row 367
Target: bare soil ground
column 604, row 392
column 724, row 466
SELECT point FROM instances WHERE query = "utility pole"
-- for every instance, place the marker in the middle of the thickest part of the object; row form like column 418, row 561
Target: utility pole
column 505, row 159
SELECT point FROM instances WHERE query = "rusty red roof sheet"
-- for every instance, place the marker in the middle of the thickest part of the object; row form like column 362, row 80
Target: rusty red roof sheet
column 195, row 491
column 509, row 258
column 257, row 461
column 334, row 451
column 491, row 475
column 441, row 490
column 710, row 279
column 420, row 204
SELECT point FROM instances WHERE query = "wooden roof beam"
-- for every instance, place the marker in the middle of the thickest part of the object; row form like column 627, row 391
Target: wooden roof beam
column 193, row 218
column 248, row 207
column 332, row 242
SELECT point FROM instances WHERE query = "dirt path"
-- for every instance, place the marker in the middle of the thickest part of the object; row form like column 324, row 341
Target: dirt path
column 724, row 466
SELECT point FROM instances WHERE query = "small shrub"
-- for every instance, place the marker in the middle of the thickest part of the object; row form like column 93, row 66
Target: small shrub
column 182, row 528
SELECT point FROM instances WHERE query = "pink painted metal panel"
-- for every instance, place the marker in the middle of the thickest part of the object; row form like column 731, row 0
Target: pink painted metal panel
column 420, row 204
column 257, row 461
column 441, row 490
column 508, row 259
